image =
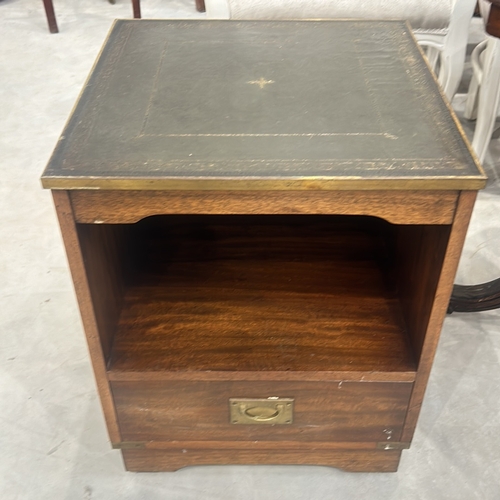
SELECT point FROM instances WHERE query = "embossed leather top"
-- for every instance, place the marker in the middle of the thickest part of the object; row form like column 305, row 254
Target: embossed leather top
column 262, row 105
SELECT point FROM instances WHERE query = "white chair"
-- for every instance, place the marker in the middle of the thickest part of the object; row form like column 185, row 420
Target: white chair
column 449, row 47
column 441, row 26
column 484, row 90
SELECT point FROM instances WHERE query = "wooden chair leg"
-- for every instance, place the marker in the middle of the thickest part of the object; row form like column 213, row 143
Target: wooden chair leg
column 136, row 7
column 51, row 16
column 200, row 5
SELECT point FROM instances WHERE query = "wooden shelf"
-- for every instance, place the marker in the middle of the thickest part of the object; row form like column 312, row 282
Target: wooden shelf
column 261, row 294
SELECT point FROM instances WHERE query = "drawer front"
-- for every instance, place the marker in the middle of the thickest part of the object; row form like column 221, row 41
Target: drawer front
column 200, row 410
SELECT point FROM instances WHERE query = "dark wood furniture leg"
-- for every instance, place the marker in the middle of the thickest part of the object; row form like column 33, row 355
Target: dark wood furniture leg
column 136, row 7
column 493, row 23
column 486, row 296
column 51, row 16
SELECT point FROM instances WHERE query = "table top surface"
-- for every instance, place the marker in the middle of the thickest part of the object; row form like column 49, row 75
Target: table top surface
column 261, row 105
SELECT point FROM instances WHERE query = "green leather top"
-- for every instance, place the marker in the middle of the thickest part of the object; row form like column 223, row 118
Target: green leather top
column 261, row 105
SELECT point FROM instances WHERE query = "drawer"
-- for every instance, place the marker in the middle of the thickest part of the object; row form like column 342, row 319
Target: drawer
column 200, row 410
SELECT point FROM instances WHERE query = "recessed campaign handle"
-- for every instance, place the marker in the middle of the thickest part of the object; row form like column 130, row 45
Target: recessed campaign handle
column 271, row 410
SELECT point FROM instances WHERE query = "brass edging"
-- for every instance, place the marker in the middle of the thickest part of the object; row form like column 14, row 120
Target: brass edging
column 231, row 184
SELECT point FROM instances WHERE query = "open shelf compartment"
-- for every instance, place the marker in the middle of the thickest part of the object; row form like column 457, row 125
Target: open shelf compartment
column 255, row 294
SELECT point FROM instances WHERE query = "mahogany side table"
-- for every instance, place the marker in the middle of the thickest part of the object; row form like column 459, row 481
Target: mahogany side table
column 263, row 221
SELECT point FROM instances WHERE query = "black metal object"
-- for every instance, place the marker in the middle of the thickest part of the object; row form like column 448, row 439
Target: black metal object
column 475, row 298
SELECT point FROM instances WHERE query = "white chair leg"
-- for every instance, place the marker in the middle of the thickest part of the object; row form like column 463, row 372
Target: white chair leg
column 455, row 46
column 452, row 46
column 470, row 112
column 451, row 72
column 217, row 9
column 477, row 59
column 432, row 55
column 489, row 95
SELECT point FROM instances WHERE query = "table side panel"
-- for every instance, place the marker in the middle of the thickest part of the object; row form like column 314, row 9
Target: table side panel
column 95, row 337
column 419, row 256
column 105, row 264
column 440, row 302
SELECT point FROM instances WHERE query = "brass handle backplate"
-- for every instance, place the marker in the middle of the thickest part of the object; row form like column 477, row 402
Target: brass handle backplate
column 271, row 410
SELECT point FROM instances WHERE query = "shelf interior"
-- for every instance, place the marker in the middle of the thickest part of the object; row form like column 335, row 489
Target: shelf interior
column 260, row 293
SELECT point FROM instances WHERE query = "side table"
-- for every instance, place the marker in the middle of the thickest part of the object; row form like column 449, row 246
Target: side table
column 263, row 221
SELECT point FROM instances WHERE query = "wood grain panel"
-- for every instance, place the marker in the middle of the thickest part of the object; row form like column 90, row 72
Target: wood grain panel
column 104, row 249
column 399, row 207
column 420, row 254
column 261, row 294
column 439, row 307
column 194, row 411
column 287, row 375
column 89, row 319
column 349, row 461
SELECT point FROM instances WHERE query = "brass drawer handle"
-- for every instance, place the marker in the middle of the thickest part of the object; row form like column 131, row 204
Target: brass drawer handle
column 261, row 411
